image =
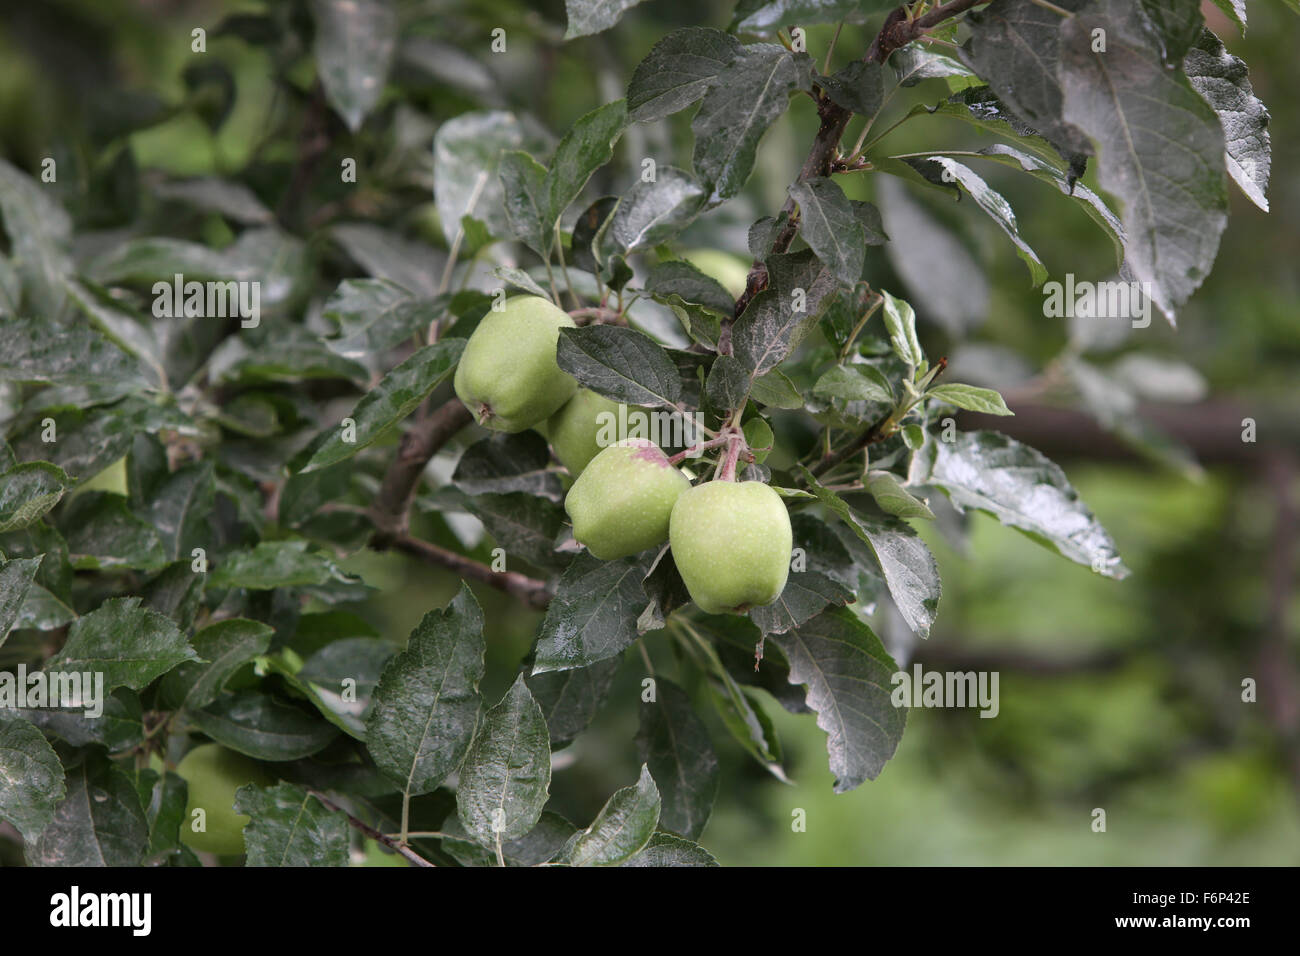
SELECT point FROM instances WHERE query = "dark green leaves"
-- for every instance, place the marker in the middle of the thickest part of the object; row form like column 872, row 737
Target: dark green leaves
column 99, row 822
column 129, row 644
column 674, row 745
column 39, row 230
column 355, row 40
column 847, row 673
column 506, row 776
column 289, row 827
column 389, row 402
column 38, row 350
column 620, row 363
column 829, row 226
column 678, row 279
column 664, row 849
column 624, row 825
column 593, row 615
column 747, row 98
column 466, row 155
column 427, row 703
column 679, row 70
column 224, row 647
column 1022, row 489
column 569, row 699
column 779, row 318
column 1162, row 148
column 857, row 87
column 15, row 583
column 31, row 773
column 652, row 212
column 263, row 726
column 275, row 564
column 588, row 145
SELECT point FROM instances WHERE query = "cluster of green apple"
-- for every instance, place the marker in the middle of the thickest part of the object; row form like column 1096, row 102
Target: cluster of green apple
column 730, row 540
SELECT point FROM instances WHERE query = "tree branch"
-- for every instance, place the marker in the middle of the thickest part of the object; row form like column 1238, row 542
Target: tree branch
column 371, row 832
column 391, row 510
column 530, row 591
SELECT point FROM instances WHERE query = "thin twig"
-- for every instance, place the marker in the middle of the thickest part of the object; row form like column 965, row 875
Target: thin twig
column 530, row 591
column 371, row 832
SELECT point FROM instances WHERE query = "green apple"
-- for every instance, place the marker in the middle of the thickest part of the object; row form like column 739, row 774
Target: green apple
column 731, row 271
column 587, row 423
column 507, row 376
column 731, row 543
column 213, row 774
column 621, row 503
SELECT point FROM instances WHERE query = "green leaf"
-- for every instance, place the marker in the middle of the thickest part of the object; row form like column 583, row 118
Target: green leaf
column 829, row 226
column 893, row 498
column 180, row 507
column 760, row 16
column 971, row 398
column 32, row 775
column 505, row 779
column 653, row 212
column 747, row 98
column 914, row 63
column 1235, row 10
column 28, row 491
column 571, row 698
column 466, row 155
column 383, row 254
column 674, row 745
column 621, row 829
column 505, row 463
column 523, row 184
column 1222, row 81
column 275, row 564
column 540, row 845
column 1024, row 490
column 1133, row 107
column 129, row 644
column 263, row 727
column 224, row 648
column 226, row 197
column 427, row 704
column 49, row 353
column 39, row 231
column 776, row 390
column 908, row 566
column 354, row 45
column 520, row 280
column 289, row 827
column 679, row 70
column 15, row 584
column 900, row 320
column 858, row 86
column 620, row 363
column 374, row 315
column 993, row 203
column 164, row 800
column 89, row 440
column 397, row 395
column 824, row 575
column 99, row 823
column 1176, row 23
column 847, row 674
column 678, row 279
column 593, row 16
column 124, row 326
column 524, row 525
column 1015, row 46
column 855, row 383
column 103, row 533
column 779, row 317
column 664, row 849
column 119, row 727
column 593, row 615
column 588, row 145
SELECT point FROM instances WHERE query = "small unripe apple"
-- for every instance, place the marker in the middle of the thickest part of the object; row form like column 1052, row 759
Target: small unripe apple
column 730, row 271
column 621, row 503
column 587, row 423
column 731, row 543
column 213, row 774
column 507, row 376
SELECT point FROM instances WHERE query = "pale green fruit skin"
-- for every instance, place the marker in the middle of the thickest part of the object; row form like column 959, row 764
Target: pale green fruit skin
column 213, row 774
column 575, row 429
column 621, row 503
column 731, row 543
column 507, row 376
column 731, row 272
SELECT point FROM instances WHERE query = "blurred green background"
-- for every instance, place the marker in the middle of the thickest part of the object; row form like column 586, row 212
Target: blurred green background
column 1124, row 696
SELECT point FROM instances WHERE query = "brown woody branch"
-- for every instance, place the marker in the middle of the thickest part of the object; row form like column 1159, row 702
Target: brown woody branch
column 371, row 832
column 391, row 510
column 529, row 591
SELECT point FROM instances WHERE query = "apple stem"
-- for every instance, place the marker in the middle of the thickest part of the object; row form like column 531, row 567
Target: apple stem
column 735, row 441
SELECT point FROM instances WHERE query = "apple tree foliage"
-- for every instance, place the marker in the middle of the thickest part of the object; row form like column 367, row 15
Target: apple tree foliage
column 241, row 463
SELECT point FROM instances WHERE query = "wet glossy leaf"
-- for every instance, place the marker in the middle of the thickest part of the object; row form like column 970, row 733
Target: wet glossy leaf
column 129, row 644
column 623, row 826
column 289, row 827
column 674, row 745
column 32, row 775
column 263, row 727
